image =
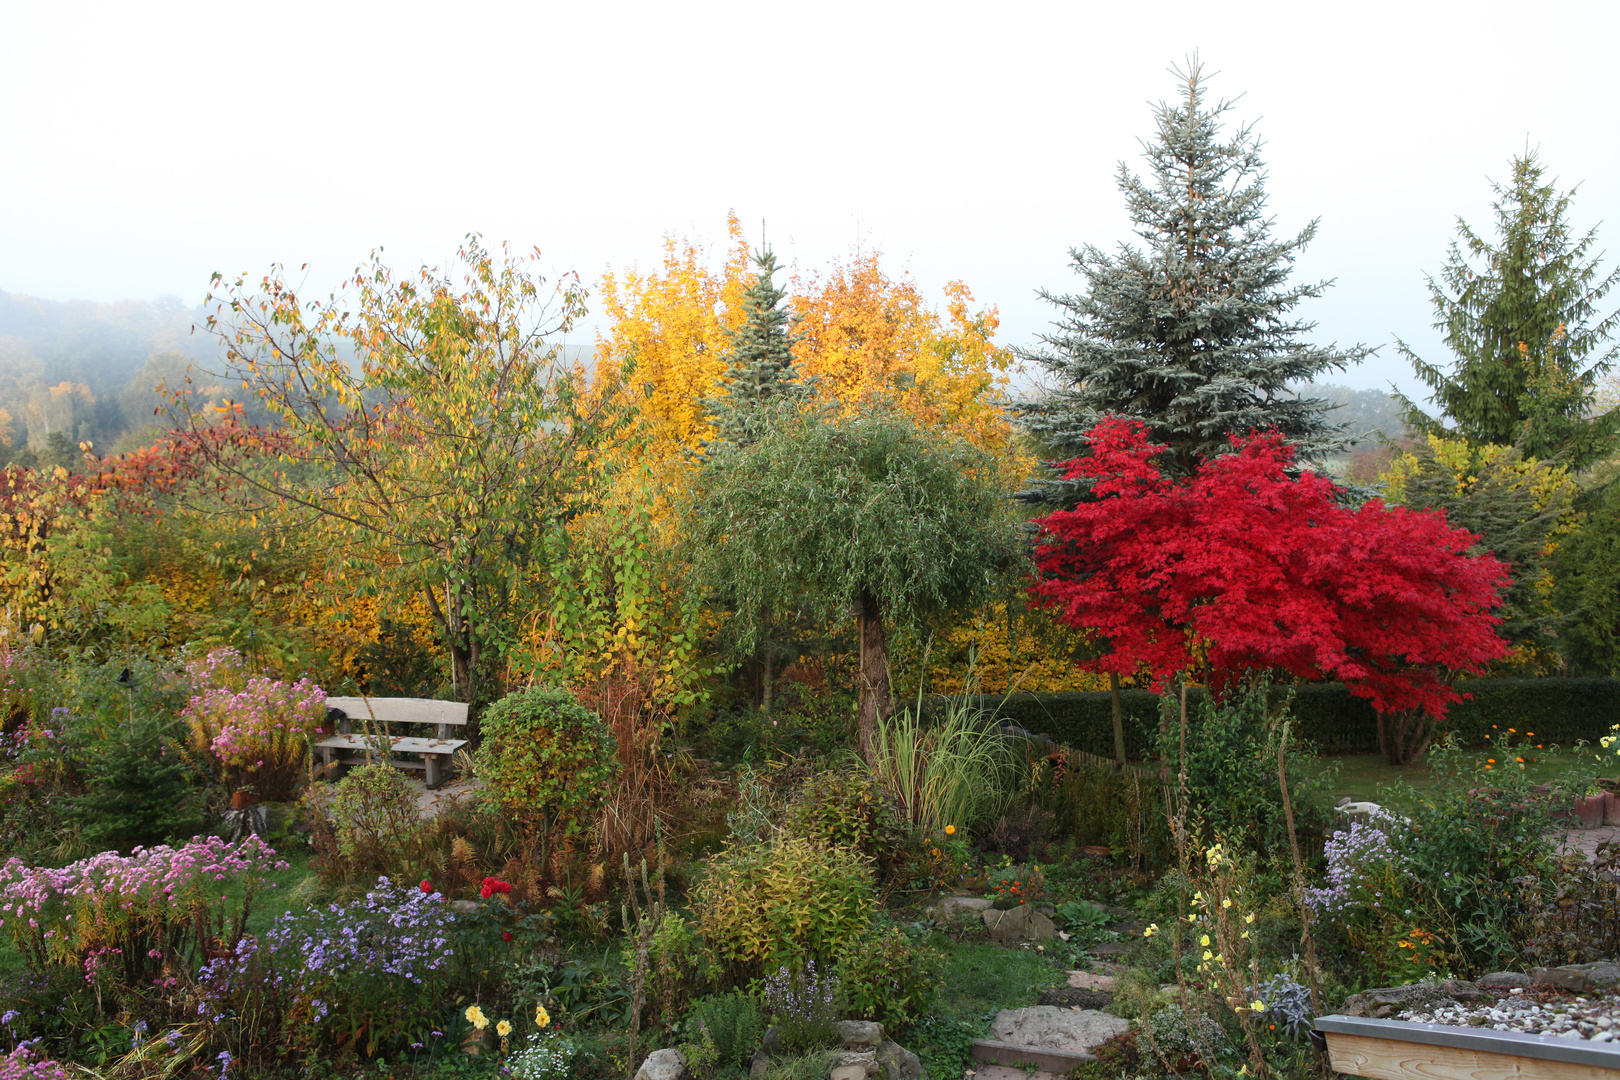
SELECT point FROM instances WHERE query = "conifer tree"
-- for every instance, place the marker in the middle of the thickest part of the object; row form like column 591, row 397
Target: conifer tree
column 1192, row 333
column 760, row 365
column 1520, row 316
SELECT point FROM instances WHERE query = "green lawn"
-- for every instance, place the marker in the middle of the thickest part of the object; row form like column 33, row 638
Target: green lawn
column 981, row 978
column 1369, row 778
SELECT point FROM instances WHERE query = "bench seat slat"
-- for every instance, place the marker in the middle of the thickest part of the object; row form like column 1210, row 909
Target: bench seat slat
column 401, row 710
column 398, row 746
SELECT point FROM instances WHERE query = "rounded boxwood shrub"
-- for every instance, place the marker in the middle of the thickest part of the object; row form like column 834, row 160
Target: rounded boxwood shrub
column 762, row 907
column 888, row 977
column 546, row 759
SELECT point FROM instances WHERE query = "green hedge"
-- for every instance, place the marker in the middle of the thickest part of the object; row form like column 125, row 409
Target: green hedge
column 1558, row 710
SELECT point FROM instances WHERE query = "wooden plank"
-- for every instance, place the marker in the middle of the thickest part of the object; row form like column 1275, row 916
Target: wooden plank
column 1392, row 1059
column 401, row 710
column 397, row 746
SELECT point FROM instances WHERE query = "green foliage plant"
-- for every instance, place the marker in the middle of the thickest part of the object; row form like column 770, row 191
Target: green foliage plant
column 849, row 808
column 784, row 902
column 680, row 967
column 829, row 513
column 1193, row 333
column 367, row 824
column 1520, row 314
column 949, row 769
column 729, row 1025
column 546, row 760
column 888, row 977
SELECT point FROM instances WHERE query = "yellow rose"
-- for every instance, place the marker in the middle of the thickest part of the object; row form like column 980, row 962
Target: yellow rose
column 475, row 1016
column 541, row 1017
column 504, row 1028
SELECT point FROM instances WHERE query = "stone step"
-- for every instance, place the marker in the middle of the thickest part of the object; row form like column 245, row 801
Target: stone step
column 992, row 1052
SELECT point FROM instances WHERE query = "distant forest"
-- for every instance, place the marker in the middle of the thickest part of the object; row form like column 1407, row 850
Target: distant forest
column 75, row 372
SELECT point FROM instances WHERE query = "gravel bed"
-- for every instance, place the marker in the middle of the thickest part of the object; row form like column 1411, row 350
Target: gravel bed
column 1593, row 1016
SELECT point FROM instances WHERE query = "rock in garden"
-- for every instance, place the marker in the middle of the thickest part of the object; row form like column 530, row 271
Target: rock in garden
column 951, row 905
column 1592, row 976
column 662, row 1065
column 898, row 1062
column 859, row 1034
column 1073, row 998
column 1385, row 1002
column 759, row 1065
column 1049, row 1027
column 1505, row 980
column 1086, row 980
column 863, row 1063
column 1021, row 923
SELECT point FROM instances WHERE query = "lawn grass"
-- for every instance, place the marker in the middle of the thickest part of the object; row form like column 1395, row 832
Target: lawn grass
column 981, row 978
column 1369, row 778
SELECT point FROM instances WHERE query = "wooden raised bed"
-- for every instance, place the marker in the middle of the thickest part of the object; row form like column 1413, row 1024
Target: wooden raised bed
column 1399, row 1050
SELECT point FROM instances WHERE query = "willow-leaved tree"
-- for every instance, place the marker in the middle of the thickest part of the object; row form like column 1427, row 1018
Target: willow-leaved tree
column 866, row 513
column 429, row 429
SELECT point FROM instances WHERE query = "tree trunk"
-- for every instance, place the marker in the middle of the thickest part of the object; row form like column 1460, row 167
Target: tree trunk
column 1404, row 736
column 876, row 700
column 1119, row 717
column 768, row 686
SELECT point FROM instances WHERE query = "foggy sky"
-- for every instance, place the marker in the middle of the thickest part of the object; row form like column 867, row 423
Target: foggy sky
column 143, row 146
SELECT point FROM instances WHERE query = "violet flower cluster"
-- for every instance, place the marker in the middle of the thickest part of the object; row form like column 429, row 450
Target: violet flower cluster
column 257, row 728
column 1356, row 858
column 394, row 932
column 24, row 1063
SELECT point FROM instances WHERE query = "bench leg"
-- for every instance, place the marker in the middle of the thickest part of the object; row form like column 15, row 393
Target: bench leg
column 326, row 761
column 432, row 769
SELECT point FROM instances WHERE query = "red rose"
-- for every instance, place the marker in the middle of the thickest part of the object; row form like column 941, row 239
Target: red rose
column 427, row 886
column 506, row 935
column 486, row 892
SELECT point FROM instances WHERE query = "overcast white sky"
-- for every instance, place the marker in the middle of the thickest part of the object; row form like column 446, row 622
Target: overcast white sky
column 144, row 145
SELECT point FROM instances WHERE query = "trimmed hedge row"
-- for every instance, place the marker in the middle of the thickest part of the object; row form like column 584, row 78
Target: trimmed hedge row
column 1558, row 710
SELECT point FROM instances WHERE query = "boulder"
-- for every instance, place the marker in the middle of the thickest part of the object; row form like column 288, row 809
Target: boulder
column 1022, row 923
column 856, row 1065
column 1049, row 1027
column 1384, row 1002
column 662, row 1065
column 859, row 1034
column 759, row 1065
column 898, row 1062
column 954, row 905
column 1505, row 980
column 1086, row 980
column 1578, row 977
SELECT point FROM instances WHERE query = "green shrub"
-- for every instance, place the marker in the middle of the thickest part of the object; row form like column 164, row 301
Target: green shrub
column 1559, row 710
column 887, row 977
column 1121, row 809
column 730, row 1026
column 763, row 906
column 852, row 810
column 547, row 760
column 367, row 824
column 682, row 967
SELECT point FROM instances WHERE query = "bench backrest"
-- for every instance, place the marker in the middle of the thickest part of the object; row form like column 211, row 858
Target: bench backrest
column 401, row 710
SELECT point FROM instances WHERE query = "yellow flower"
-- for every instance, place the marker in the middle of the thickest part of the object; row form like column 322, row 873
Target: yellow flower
column 1153, row 928
column 950, row 830
column 1244, row 934
column 1226, row 903
column 1258, row 1006
column 475, row 1016
column 1208, row 955
column 504, row 1028
column 1203, row 940
column 541, row 1017
column 1249, row 918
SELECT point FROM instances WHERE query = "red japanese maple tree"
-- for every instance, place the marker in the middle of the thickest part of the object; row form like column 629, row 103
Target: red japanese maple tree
column 1243, row 567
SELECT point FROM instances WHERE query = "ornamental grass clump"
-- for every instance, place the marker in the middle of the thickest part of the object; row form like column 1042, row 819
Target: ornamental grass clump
column 958, row 771
column 155, row 910
column 255, row 731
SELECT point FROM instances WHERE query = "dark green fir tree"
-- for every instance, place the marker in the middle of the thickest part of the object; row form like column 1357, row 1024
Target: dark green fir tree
column 760, row 367
column 1520, row 316
column 1193, row 332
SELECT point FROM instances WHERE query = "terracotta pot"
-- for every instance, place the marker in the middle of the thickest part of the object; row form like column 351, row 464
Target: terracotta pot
column 241, row 800
column 476, row 1042
column 1589, row 811
column 1611, row 808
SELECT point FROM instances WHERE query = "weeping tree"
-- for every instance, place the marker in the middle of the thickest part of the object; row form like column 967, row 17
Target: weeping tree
column 866, row 515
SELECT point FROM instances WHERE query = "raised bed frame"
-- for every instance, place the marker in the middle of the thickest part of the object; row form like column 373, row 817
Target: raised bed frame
column 1401, row 1050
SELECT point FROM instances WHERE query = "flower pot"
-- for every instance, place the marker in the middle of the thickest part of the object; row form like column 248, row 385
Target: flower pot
column 1611, row 808
column 476, row 1042
column 241, row 800
column 1590, row 810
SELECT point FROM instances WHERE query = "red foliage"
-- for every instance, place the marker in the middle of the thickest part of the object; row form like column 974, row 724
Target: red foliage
column 1242, row 567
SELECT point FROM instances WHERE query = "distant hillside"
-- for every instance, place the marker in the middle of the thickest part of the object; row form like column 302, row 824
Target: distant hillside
column 1367, row 413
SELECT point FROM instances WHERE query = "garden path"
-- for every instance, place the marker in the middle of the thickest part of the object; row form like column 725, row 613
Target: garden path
column 428, row 801
column 1587, row 840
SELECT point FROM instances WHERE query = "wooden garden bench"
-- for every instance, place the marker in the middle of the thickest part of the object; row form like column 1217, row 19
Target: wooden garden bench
column 379, row 714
